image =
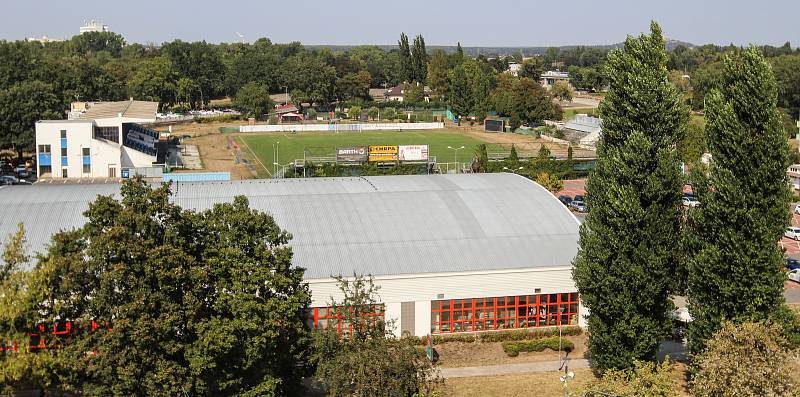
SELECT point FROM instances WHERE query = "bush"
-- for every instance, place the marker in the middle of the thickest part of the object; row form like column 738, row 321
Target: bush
column 644, row 379
column 750, row 359
column 502, row 336
column 218, row 119
column 535, row 333
column 536, row 345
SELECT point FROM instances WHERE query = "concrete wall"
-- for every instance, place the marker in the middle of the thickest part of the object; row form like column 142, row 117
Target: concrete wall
column 423, row 288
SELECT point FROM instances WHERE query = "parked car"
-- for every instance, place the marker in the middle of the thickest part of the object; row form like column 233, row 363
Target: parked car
column 580, row 206
column 793, row 275
column 792, row 232
column 690, row 201
column 579, row 197
column 564, row 199
column 792, row 263
column 797, row 209
column 11, row 179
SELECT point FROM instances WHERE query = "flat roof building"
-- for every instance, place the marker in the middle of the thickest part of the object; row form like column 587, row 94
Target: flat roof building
column 98, row 140
column 451, row 253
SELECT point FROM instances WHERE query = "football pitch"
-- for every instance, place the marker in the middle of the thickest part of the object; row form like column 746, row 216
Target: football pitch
column 291, row 146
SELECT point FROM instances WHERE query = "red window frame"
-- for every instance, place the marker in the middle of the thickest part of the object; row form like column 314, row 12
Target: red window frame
column 504, row 312
column 329, row 317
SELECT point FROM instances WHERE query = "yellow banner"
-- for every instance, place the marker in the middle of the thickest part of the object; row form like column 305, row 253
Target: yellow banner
column 383, row 153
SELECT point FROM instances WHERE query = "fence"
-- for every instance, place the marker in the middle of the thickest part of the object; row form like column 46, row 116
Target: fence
column 198, row 177
column 340, row 127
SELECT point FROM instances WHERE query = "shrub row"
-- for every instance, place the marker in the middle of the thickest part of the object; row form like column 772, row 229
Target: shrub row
column 218, row 119
column 513, row 348
column 503, row 336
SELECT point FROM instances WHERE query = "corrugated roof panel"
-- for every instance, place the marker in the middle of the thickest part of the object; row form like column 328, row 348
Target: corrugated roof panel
column 373, row 225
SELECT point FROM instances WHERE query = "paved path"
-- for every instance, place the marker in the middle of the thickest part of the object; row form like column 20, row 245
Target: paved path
column 505, row 369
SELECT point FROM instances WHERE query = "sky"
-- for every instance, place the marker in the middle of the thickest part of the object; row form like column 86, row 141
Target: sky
column 441, row 22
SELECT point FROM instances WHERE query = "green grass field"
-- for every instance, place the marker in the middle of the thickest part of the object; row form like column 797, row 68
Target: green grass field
column 292, row 146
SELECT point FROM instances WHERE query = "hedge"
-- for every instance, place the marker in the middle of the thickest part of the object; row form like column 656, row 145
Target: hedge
column 513, row 348
column 502, row 336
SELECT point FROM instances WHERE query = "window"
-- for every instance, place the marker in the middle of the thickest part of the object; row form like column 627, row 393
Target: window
column 87, row 168
column 44, row 149
column 107, row 133
column 63, row 134
column 63, row 152
column 504, row 312
column 64, row 173
column 85, row 151
column 45, row 170
column 330, row 318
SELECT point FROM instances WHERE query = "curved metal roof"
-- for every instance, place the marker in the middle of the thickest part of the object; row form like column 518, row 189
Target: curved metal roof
column 383, row 225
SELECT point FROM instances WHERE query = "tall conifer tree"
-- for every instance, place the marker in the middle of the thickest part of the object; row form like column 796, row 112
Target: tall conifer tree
column 629, row 241
column 735, row 273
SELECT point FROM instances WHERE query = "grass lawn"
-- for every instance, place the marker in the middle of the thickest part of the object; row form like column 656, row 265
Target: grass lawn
column 521, row 385
column 569, row 114
column 320, row 144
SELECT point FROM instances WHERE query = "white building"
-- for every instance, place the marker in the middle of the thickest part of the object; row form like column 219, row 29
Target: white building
column 514, row 68
column 794, row 176
column 450, row 253
column 98, row 142
column 93, row 26
column 550, row 77
column 584, row 129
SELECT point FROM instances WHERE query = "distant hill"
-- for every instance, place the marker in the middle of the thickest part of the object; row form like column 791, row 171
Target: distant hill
column 495, row 51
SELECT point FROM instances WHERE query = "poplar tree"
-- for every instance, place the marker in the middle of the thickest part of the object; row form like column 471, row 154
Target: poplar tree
column 406, row 63
column 628, row 242
column 735, row 273
column 419, row 60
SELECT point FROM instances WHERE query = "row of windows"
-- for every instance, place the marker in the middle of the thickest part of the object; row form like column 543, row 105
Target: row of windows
column 45, row 336
column 333, row 318
column 505, row 312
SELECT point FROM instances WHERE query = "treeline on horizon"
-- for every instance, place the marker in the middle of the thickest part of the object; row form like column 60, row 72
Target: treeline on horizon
column 38, row 81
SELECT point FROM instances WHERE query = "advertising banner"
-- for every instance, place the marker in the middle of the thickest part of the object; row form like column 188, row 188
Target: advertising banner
column 383, row 153
column 413, row 152
column 355, row 154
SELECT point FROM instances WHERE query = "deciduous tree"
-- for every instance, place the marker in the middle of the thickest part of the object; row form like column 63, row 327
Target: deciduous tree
column 370, row 360
column 253, row 100
column 749, row 359
column 188, row 303
column 561, row 91
column 154, row 81
column 21, row 106
column 531, row 68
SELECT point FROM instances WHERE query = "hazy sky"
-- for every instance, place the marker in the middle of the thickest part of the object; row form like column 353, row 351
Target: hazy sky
column 442, row 22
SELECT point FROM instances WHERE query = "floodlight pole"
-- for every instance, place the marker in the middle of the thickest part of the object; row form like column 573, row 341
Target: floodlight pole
column 455, row 155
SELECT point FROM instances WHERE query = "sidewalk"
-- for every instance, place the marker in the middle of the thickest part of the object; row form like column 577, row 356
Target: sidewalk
column 506, row 369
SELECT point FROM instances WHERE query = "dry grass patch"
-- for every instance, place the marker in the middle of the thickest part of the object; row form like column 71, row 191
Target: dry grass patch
column 538, row 384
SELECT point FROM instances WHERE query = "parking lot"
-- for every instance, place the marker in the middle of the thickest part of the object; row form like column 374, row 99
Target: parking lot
column 790, row 247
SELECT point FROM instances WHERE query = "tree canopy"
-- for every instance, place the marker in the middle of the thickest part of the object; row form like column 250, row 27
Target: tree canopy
column 187, row 303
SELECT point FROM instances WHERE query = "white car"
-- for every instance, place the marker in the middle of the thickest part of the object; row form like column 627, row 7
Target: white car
column 690, row 201
column 797, row 209
column 792, row 232
column 793, row 275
